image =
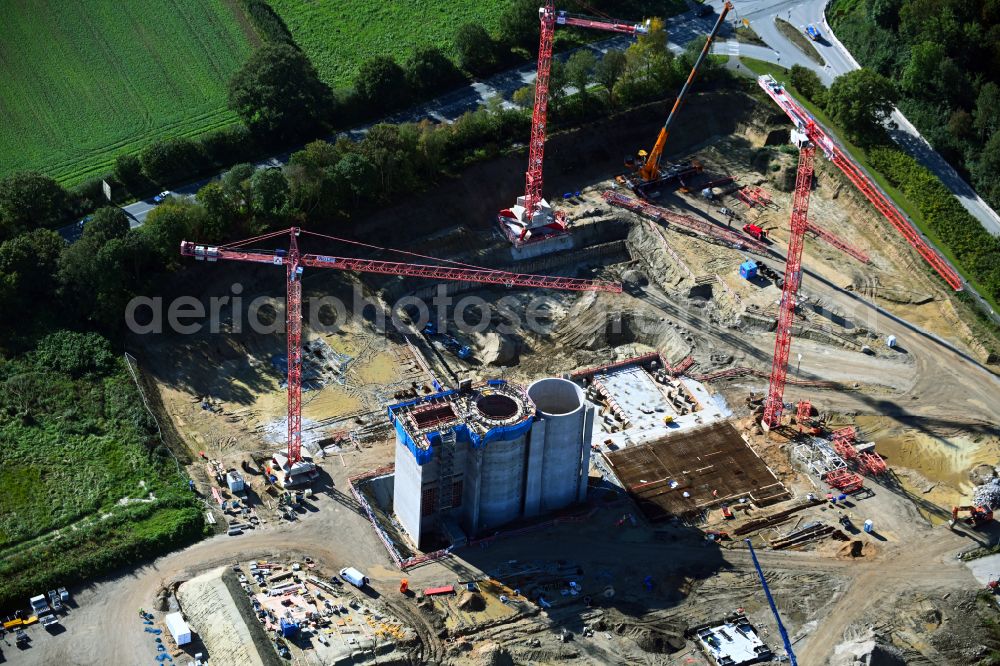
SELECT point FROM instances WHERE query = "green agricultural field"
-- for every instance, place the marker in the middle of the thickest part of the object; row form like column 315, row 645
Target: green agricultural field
column 83, row 81
column 339, row 36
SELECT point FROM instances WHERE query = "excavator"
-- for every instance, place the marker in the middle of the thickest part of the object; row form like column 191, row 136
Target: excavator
column 647, row 165
column 979, row 516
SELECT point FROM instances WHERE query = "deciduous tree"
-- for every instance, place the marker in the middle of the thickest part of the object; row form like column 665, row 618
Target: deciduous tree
column 861, row 101
column 270, row 193
column 381, row 84
column 477, row 53
column 609, row 71
column 30, row 201
column 429, row 70
column 580, row 69
column 279, row 95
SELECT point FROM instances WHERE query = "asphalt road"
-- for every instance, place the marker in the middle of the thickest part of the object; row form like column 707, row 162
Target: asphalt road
column 680, row 30
column 762, row 13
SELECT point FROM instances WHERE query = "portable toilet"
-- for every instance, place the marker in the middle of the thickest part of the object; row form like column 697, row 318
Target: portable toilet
column 288, row 628
column 748, row 269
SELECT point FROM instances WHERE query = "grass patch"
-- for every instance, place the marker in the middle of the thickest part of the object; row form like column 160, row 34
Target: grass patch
column 84, row 81
column 861, row 156
column 339, row 36
column 87, row 487
column 800, row 40
column 748, row 35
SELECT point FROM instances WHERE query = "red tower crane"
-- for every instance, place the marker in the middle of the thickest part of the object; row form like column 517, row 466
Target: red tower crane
column 294, row 262
column 773, row 405
column 809, row 136
column 532, row 211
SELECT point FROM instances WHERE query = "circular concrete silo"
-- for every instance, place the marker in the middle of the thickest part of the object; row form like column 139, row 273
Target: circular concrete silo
column 560, row 403
column 502, row 472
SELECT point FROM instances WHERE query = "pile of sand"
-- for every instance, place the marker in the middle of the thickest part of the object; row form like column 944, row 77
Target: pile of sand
column 868, row 652
column 212, row 613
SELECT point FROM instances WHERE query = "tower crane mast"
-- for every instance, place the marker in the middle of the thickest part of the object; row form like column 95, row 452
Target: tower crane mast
column 773, row 405
column 532, row 211
column 809, row 135
column 294, row 262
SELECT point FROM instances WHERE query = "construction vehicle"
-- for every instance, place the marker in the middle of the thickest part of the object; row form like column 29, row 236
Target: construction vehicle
column 648, row 164
column 531, row 217
column 294, row 263
column 774, row 609
column 979, row 516
column 754, row 231
column 451, row 343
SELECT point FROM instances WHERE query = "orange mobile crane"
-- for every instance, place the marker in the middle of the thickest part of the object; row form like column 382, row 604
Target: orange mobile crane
column 649, row 164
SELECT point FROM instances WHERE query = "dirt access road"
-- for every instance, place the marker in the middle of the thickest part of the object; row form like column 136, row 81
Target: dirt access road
column 336, row 535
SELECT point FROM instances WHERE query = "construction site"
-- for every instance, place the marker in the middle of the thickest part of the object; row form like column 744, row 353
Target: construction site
column 715, row 406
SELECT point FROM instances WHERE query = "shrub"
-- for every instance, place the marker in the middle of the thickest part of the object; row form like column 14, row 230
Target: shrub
column 381, row 85
column 974, row 247
column 266, row 21
column 230, row 145
column 168, row 160
column 128, row 170
column 807, row 82
column 428, row 71
column 75, row 354
column 477, row 53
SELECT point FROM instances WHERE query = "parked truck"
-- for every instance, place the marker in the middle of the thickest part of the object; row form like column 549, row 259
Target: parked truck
column 39, row 605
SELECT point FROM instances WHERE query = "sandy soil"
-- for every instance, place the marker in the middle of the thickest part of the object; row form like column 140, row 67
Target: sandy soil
column 211, row 612
column 930, row 407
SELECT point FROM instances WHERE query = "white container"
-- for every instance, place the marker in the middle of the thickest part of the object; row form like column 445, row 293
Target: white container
column 354, row 577
column 891, row 342
column 178, row 628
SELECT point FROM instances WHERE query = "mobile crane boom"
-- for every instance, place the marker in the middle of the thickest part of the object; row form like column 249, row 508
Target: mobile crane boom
column 774, row 609
column 651, row 167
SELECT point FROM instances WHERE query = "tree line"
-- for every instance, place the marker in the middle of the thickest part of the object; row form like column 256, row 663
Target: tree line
column 944, row 56
column 860, row 102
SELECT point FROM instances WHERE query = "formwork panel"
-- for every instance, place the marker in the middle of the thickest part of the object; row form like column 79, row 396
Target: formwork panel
column 712, row 464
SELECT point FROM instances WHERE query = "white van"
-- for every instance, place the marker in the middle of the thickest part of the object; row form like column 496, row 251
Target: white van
column 354, row 577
